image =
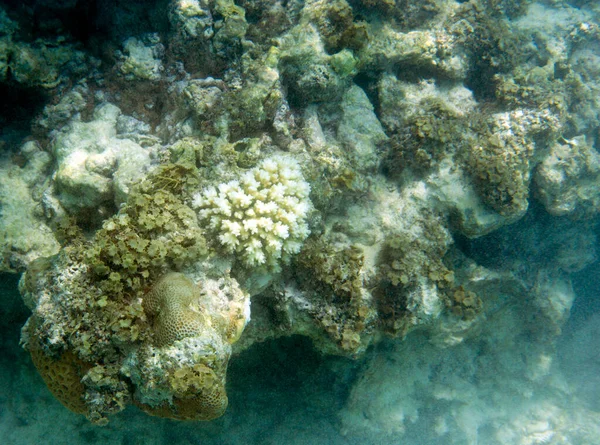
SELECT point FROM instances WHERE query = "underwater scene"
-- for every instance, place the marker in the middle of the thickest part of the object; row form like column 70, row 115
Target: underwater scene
column 286, row 222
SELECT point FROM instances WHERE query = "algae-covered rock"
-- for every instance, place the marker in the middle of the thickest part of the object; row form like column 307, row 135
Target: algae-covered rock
column 95, row 167
column 567, row 179
column 45, row 62
column 24, row 231
column 141, row 58
column 359, row 130
column 308, row 71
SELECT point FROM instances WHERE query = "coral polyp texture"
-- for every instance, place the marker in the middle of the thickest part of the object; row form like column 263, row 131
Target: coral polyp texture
column 262, row 216
column 172, row 365
column 411, row 185
column 170, row 303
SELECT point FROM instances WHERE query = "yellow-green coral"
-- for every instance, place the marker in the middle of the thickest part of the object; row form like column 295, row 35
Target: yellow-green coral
column 184, row 381
column 332, row 277
column 151, row 233
column 499, row 157
column 182, row 374
column 171, row 304
column 411, row 263
column 200, row 392
column 464, row 303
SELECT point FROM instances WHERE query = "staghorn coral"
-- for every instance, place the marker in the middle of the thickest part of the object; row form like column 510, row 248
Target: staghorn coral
column 262, row 216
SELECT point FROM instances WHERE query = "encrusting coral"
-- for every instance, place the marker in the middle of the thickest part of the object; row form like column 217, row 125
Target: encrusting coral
column 332, row 275
column 262, row 216
column 176, row 369
column 62, row 375
column 96, row 327
column 566, row 180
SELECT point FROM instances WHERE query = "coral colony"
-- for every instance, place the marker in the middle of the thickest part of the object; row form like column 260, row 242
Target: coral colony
column 351, row 167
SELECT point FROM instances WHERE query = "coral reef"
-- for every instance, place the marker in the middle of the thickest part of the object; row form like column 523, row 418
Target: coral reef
column 410, row 185
column 173, row 341
column 46, row 62
column 332, row 277
column 24, row 232
column 169, row 304
column 182, row 374
column 155, row 231
column 566, row 179
column 142, row 59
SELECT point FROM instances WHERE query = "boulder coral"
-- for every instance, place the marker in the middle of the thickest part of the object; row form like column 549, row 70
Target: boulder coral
column 176, row 368
column 182, row 374
column 170, row 304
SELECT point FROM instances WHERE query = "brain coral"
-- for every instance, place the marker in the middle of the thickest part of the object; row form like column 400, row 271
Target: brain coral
column 62, row 375
column 262, row 216
column 170, row 302
column 182, row 374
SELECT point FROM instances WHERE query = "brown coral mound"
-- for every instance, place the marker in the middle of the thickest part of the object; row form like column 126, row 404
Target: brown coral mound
column 199, row 394
column 207, row 407
column 170, row 302
column 63, row 376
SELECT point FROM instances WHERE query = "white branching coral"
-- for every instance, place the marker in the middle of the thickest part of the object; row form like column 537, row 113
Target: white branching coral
column 262, row 216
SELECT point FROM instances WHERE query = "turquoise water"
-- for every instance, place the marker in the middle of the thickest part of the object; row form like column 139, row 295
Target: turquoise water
column 281, row 391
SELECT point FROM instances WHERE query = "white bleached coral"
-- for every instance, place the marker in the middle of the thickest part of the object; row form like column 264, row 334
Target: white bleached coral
column 262, row 216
